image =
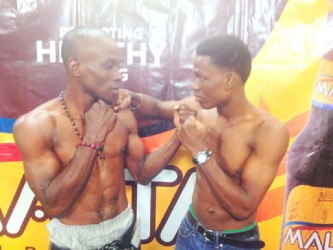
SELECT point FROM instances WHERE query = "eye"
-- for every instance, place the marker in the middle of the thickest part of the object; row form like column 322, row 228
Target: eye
column 111, row 64
column 200, row 78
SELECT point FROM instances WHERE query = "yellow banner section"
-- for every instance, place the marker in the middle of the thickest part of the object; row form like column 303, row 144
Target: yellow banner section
column 309, row 228
column 284, row 70
column 6, row 138
column 22, row 224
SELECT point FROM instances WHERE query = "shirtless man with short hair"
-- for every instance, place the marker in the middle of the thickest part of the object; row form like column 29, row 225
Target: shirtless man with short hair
column 76, row 146
column 236, row 147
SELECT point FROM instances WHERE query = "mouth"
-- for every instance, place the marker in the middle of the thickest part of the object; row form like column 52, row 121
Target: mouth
column 197, row 98
column 114, row 92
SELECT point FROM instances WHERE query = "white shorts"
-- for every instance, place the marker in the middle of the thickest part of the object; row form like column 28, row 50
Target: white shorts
column 87, row 237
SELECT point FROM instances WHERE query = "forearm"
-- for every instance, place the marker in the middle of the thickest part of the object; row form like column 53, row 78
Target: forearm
column 148, row 106
column 156, row 161
column 64, row 190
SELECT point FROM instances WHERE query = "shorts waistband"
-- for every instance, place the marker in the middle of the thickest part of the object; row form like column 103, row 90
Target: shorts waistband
column 78, row 237
column 124, row 242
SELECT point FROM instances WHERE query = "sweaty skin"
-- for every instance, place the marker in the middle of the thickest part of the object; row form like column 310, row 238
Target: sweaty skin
column 71, row 181
column 247, row 145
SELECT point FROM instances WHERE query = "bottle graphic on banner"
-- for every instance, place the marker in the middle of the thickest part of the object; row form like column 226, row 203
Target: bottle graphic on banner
column 308, row 211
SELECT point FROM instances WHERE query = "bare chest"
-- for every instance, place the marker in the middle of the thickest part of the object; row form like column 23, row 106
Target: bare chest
column 66, row 142
column 231, row 145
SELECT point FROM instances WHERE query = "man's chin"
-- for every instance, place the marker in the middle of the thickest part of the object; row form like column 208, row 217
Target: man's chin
column 110, row 98
column 202, row 104
column 205, row 106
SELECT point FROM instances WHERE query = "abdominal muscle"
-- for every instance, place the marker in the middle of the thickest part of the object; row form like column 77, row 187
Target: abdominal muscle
column 210, row 213
column 104, row 196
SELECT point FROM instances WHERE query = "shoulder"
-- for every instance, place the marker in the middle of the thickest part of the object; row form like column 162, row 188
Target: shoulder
column 125, row 113
column 271, row 131
column 268, row 123
column 41, row 114
column 35, row 123
column 127, row 119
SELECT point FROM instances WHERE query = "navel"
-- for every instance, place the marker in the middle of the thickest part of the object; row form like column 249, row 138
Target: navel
column 211, row 210
column 101, row 214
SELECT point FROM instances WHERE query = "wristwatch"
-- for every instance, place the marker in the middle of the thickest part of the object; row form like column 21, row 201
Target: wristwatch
column 202, row 157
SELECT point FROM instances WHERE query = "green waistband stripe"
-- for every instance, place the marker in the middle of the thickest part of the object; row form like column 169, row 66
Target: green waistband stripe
column 227, row 231
column 242, row 229
column 192, row 212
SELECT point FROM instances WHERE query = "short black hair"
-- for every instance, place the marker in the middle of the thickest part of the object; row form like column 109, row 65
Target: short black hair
column 228, row 51
column 75, row 39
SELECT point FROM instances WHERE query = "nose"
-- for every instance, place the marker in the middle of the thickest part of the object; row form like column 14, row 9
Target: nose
column 117, row 76
column 195, row 83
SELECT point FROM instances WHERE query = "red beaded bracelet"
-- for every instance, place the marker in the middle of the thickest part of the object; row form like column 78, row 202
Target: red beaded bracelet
column 99, row 148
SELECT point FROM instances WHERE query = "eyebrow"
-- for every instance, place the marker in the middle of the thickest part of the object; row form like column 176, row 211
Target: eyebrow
column 113, row 60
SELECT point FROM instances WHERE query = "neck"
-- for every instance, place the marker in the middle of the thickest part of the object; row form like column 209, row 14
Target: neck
column 78, row 102
column 234, row 108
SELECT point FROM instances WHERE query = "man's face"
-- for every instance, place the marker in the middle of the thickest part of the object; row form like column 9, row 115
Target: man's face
column 101, row 64
column 208, row 82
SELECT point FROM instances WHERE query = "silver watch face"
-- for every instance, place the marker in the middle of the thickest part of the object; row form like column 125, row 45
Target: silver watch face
column 202, row 158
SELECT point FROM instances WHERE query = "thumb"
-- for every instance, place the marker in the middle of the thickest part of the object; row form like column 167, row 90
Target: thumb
column 176, row 119
column 123, row 100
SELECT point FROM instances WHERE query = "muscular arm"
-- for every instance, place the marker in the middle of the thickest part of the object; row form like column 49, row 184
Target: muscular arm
column 150, row 107
column 145, row 167
column 56, row 187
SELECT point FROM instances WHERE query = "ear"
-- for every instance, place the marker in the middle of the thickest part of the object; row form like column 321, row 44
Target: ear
column 229, row 80
column 74, row 67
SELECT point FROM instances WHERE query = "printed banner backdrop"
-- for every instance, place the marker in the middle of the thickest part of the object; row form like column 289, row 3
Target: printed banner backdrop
column 157, row 39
